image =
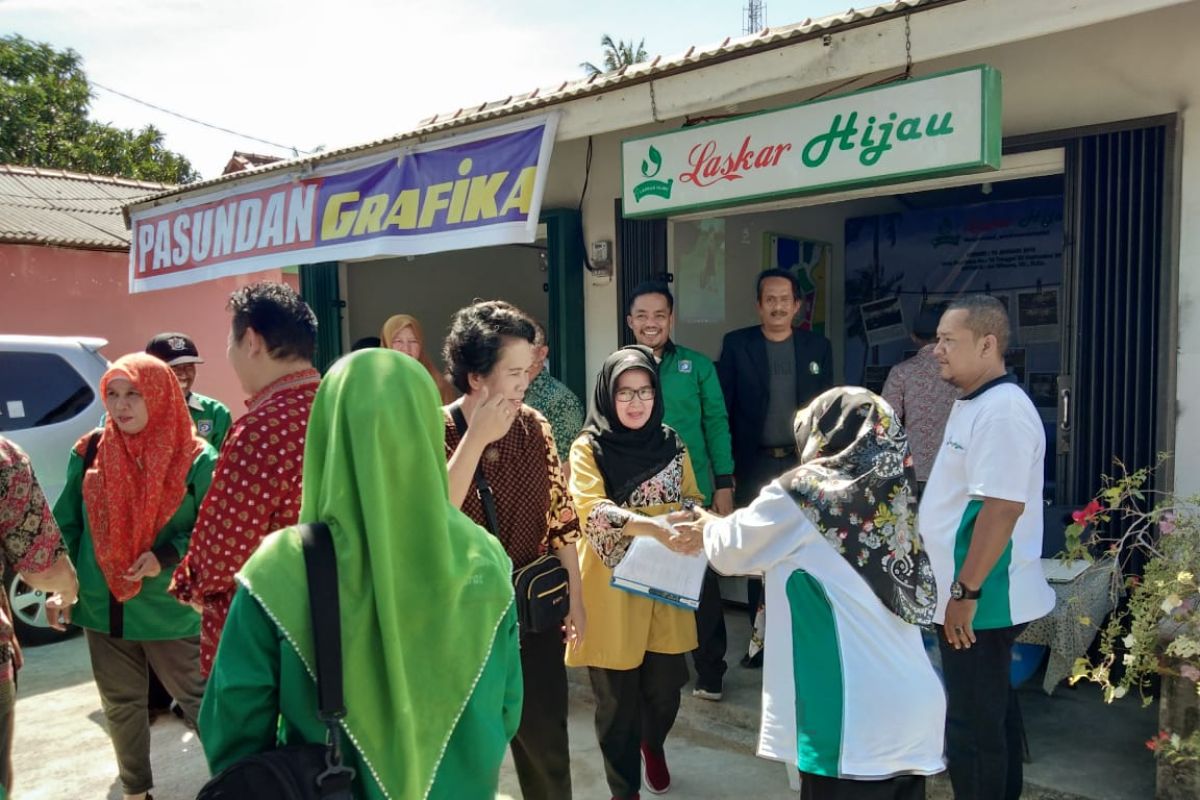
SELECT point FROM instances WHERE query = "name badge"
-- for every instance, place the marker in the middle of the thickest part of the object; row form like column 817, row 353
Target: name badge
column 685, row 366
column 204, row 427
column 814, row 368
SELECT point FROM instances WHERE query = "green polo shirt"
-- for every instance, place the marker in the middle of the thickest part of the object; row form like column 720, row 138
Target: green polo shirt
column 695, row 408
column 212, row 418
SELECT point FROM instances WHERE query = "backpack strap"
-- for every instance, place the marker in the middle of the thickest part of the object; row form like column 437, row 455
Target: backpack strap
column 481, row 483
column 320, row 566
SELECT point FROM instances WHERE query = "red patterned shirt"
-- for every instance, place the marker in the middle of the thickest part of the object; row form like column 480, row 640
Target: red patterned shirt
column 29, row 537
column 922, row 399
column 533, row 507
column 255, row 490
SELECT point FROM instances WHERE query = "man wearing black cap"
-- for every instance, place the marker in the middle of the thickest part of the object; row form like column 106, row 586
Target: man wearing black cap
column 212, row 417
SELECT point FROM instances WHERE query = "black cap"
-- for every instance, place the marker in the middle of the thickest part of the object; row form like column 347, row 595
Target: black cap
column 175, row 349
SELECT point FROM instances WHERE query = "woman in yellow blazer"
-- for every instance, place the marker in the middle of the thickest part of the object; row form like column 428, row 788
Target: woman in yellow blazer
column 626, row 469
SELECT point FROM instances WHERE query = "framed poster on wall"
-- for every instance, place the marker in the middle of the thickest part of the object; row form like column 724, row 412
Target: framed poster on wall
column 699, row 249
column 809, row 261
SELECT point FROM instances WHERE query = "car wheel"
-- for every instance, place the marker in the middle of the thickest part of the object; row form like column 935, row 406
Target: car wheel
column 29, row 613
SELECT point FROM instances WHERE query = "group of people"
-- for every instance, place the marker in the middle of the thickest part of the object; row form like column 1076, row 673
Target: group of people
column 438, row 485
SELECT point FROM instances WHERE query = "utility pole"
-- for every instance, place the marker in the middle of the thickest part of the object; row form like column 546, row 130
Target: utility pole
column 754, row 17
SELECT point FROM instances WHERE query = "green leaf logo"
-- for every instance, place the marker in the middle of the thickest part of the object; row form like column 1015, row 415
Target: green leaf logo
column 652, row 163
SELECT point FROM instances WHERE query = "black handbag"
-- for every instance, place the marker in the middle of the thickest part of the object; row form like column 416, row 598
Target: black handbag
column 303, row 771
column 542, row 586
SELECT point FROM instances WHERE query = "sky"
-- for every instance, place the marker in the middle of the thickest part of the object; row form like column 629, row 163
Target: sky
column 306, row 74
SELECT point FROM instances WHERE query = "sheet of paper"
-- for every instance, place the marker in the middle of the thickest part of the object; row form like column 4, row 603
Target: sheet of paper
column 652, row 569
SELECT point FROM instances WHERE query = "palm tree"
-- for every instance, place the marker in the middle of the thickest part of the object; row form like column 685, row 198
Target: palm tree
column 616, row 55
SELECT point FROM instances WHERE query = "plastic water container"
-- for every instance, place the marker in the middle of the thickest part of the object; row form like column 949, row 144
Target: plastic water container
column 1026, row 658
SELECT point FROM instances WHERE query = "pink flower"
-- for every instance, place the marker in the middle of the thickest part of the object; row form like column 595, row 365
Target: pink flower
column 1192, row 673
column 1089, row 512
column 1166, row 525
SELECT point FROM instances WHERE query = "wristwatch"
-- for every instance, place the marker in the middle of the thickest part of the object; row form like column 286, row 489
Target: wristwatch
column 959, row 591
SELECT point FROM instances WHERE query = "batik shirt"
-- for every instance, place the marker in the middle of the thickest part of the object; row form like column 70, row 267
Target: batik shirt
column 255, row 490
column 28, row 534
column 532, row 505
column 922, row 400
column 561, row 408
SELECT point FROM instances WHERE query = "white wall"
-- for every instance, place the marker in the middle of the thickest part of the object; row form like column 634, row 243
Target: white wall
column 433, row 287
column 744, row 244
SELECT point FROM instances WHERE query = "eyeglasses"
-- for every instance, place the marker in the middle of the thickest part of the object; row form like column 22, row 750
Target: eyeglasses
column 626, row 395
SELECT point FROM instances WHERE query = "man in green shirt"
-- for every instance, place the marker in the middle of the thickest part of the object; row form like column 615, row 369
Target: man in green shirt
column 212, row 417
column 695, row 408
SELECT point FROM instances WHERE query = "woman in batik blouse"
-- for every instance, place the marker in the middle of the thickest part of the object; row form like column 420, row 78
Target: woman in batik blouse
column 627, row 469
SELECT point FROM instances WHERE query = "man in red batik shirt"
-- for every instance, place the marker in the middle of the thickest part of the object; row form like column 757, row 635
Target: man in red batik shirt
column 256, row 485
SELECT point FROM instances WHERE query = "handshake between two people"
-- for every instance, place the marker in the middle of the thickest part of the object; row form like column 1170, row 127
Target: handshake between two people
column 684, row 529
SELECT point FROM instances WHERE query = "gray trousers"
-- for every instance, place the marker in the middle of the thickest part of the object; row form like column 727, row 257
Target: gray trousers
column 120, row 669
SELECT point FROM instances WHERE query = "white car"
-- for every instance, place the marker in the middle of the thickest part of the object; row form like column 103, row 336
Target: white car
column 49, row 397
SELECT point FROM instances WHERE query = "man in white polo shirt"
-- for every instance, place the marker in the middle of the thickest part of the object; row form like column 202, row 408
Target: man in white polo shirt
column 981, row 519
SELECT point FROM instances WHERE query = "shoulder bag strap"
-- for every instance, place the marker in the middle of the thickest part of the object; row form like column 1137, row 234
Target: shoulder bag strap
column 320, row 565
column 481, row 484
column 89, row 454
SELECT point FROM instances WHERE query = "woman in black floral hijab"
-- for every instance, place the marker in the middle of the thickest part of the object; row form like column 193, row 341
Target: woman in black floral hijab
column 857, row 485
column 850, row 700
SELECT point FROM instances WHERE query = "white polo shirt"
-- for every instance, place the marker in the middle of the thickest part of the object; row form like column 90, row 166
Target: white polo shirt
column 994, row 446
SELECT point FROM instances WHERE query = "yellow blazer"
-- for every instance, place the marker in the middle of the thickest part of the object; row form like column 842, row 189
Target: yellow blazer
column 623, row 627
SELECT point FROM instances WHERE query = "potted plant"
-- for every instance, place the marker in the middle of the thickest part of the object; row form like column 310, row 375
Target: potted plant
column 1157, row 634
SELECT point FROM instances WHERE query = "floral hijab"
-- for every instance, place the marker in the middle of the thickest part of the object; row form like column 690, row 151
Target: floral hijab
column 856, row 483
column 138, row 481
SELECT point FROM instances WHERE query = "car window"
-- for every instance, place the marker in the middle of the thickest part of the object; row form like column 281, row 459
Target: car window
column 38, row 389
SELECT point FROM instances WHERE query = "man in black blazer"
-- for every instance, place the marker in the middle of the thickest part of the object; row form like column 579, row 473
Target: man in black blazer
column 768, row 372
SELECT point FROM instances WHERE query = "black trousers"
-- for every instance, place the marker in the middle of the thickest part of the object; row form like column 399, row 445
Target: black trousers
column 904, row 787
column 750, row 481
column 983, row 722
column 635, row 706
column 709, row 655
column 540, row 749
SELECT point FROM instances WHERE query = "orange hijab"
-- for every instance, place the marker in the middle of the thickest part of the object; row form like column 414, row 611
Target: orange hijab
column 138, row 481
column 399, row 322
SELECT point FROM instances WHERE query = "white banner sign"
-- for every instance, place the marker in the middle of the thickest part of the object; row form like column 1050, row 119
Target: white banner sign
column 476, row 190
column 943, row 124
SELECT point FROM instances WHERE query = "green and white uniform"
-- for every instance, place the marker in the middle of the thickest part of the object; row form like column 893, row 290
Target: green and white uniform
column 848, row 691
column 993, row 447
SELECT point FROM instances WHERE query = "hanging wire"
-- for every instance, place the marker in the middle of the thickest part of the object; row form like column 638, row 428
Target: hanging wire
column 291, row 148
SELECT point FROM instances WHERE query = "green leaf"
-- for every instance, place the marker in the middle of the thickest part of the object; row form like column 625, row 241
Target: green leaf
column 655, row 162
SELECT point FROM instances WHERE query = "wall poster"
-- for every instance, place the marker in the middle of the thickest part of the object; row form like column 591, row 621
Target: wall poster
column 809, row 261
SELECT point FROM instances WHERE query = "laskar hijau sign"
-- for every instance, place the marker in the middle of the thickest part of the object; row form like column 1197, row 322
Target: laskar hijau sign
column 943, row 124
column 474, row 190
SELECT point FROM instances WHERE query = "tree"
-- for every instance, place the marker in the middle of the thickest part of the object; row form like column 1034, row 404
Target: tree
column 616, row 55
column 44, row 99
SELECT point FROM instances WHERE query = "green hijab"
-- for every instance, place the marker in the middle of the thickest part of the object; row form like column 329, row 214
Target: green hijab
column 422, row 589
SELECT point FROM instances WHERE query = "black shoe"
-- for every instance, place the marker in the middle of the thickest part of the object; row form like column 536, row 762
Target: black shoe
column 753, row 661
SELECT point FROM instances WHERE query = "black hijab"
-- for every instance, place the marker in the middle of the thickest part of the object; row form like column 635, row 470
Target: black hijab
column 856, row 483
column 627, row 458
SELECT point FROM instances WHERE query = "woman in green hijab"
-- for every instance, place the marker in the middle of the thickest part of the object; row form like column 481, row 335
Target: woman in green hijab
column 431, row 706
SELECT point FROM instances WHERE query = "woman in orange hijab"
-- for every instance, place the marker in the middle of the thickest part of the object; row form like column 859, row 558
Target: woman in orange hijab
column 126, row 514
column 403, row 333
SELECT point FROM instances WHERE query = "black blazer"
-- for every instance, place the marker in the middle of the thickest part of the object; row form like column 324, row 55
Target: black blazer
column 742, row 370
